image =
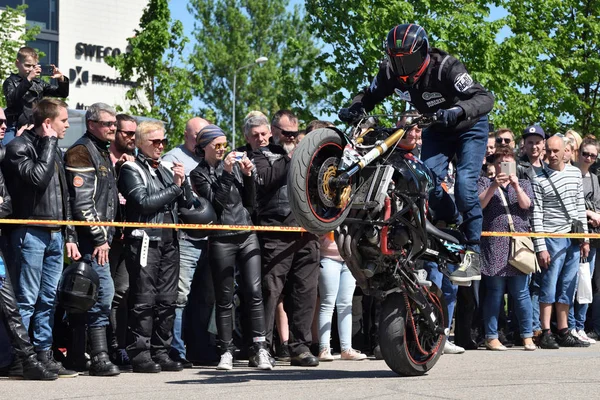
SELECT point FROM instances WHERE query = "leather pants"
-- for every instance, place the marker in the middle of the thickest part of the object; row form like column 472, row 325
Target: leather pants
column 11, row 318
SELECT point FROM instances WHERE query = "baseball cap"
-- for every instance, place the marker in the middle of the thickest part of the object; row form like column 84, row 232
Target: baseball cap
column 534, row 130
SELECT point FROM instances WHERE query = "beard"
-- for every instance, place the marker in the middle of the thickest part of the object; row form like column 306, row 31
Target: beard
column 288, row 147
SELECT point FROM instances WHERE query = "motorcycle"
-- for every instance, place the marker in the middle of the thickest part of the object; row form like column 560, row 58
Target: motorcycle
column 374, row 195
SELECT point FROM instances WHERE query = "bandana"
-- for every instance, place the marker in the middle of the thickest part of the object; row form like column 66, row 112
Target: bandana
column 207, row 135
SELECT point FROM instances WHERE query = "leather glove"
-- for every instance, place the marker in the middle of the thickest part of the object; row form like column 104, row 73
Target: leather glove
column 351, row 115
column 449, row 117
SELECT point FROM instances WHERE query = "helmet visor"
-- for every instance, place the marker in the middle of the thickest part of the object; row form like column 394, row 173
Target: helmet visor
column 406, row 64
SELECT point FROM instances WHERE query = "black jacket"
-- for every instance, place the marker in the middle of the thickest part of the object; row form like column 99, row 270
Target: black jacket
column 444, row 84
column 21, row 95
column 35, row 178
column 150, row 196
column 525, row 170
column 92, row 186
column 272, row 165
column 231, row 194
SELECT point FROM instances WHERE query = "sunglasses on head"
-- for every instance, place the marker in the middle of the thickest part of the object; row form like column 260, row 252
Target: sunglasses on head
column 128, row 133
column 220, row 146
column 585, row 154
column 287, row 133
column 106, row 124
column 500, row 140
column 157, row 142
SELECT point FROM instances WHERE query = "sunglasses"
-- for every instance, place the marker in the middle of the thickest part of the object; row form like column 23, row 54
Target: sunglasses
column 500, row 140
column 585, row 154
column 2, row 122
column 127, row 133
column 106, row 124
column 157, row 142
column 220, row 146
column 287, row 133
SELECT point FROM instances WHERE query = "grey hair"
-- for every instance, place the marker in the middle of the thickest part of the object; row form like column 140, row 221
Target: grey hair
column 254, row 119
column 93, row 111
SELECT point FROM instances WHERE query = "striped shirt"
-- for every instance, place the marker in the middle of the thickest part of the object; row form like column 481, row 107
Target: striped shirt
column 548, row 214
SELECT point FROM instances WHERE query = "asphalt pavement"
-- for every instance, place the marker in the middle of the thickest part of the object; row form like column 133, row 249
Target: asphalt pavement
column 480, row 374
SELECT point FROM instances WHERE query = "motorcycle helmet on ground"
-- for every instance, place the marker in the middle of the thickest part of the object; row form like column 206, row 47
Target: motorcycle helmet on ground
column 407, row 50
column 78, row 288
column 203, row 213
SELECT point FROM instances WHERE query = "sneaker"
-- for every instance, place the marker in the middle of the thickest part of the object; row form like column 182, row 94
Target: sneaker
column 547, row 341
column 325, row 355
column 469, row 269
column 583, row 336
column 353, row 355
column 451, row 348
column 48, row 361
column 593, row 335
column 226, row 363
column 260, row 360
column 569, row 340
column 283, row 352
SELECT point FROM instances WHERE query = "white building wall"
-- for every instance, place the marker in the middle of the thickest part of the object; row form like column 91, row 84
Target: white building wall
column 87, row 23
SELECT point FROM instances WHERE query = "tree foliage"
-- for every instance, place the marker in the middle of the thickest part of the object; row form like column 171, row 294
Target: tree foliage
column 154, row 61
column 231, row 34
column 14, row 33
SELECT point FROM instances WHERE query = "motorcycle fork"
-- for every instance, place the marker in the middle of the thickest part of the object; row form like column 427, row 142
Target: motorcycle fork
column 420, row 296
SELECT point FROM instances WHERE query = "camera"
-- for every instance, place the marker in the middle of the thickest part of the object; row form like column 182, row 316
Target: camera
column 47, row 70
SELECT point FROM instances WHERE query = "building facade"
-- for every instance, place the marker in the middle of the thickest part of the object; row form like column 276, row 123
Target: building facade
column 77, row 35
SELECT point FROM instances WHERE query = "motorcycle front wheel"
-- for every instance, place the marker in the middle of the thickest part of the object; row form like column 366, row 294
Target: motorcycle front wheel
column 315, row 205
column 408, row 345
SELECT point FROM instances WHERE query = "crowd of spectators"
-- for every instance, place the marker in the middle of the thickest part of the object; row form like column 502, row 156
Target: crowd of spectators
column 167, row 298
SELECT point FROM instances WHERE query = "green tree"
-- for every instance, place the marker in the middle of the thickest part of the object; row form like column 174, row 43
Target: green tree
column 154, row 62
column 353, row 32
column 233, row 33
column 14, row 33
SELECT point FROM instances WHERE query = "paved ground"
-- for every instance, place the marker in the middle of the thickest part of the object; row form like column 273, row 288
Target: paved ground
column 515, row 374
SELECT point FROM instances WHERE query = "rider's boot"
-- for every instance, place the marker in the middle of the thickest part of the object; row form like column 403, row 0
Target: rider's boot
column 469, row 269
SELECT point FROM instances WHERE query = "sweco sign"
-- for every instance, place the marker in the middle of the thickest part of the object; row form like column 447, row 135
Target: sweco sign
column 95, row 51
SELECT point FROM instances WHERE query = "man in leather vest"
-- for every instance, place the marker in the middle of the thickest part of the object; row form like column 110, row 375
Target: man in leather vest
column 93, row 188
column 288, row 258
column 154, row 191
column 35, row 179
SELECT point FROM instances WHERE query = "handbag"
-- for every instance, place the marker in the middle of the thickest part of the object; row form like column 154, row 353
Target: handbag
column 576, row 225
column 521, row 253
column 585, row 294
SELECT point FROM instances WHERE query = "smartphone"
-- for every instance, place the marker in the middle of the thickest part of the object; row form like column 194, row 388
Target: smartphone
column 508, row 167
column 47, row 70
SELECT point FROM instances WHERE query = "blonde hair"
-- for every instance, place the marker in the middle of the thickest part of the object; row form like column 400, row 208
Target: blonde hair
column 577, row 139
column 145, row 128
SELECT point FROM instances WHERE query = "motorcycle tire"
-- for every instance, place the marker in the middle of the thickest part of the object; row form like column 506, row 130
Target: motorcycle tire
column 321, row 148
column 397, row 340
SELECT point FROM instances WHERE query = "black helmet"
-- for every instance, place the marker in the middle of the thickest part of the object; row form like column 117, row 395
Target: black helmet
column 407, row 49
column 203, row 213
column 78, row 289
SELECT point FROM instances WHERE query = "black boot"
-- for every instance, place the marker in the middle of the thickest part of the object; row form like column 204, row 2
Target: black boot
column 76, row 354
column 166, row 363
column 34, row 370
column 143, row 363
column 100, row 363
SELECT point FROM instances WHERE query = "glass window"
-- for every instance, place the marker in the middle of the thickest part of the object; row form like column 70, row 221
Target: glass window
column 10, row 3
column 42, row 13
column 49, row 48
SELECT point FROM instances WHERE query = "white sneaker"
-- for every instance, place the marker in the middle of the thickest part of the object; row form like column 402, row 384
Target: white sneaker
column 583, row 336
column 451, row 348
column 226, row 363
column 262, row 360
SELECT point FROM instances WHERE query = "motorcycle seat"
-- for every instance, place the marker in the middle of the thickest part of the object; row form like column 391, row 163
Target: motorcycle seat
column 433, row 230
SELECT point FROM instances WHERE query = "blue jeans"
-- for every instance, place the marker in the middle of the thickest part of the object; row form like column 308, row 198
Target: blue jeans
column 38, row 265
column 534, row 289
column 449, row 290
column 99, row 314
column 578, row 312
column 336, row 289
column 189, row 254
column 559, row 280
column 469, row 147
column 518, row 288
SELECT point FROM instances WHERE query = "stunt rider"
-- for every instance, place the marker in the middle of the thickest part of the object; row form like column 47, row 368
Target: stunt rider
column 435, row 82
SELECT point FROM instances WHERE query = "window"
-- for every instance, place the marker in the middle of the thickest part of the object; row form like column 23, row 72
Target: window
column 42, row 13
column 49, row 48
column 10, row 3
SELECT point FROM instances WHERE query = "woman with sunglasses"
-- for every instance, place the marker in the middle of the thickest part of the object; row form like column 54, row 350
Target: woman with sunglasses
column 588, row 153
column 226, row 181
column 154, row 191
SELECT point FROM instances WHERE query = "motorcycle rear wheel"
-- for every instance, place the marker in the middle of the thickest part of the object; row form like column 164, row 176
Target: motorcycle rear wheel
column 397, row 338
column 311, row 200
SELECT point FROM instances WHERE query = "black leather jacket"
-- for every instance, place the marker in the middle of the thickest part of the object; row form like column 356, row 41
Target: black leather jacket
column 150, row 196
column 21, row 95
column 30, row 167
column 272, row 165
column 231, row 194
column 93, row 187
